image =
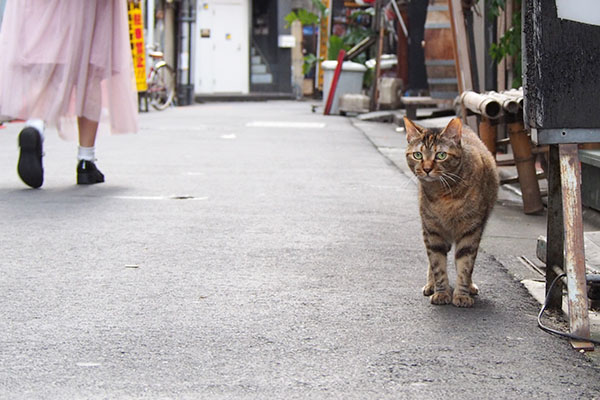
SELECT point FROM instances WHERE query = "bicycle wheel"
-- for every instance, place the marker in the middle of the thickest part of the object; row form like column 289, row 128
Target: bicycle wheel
column 161, row 87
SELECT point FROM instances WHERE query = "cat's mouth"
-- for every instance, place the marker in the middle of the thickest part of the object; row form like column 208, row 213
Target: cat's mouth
column 428, row 178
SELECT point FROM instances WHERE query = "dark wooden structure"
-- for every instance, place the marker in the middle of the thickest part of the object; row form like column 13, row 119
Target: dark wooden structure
column 561, row 103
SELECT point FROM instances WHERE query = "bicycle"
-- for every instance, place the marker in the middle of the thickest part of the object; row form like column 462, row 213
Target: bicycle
column 161, row 82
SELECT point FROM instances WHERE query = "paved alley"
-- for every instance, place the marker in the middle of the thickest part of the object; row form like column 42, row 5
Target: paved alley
column 249, row 250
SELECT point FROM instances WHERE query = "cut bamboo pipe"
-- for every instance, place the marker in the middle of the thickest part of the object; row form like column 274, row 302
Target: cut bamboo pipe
column 481, row 104
column 508, row 103
column 517, row 94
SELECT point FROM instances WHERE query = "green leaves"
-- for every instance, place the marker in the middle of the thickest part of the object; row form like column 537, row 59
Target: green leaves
column 309, row 62
column 510, row 43
column 336, row 44
column 319, row 4
column 305, row 18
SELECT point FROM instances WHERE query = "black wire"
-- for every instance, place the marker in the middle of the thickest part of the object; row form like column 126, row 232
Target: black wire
column 554, row 331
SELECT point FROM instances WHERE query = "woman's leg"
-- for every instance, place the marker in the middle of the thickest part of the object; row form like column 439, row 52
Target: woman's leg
column 87, row 173
column 87, row 131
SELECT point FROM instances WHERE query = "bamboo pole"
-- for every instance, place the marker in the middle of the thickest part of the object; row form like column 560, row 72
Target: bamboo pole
column 488, row 134
column 525, row 162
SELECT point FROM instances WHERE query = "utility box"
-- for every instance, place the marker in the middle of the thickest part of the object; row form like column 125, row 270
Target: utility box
column 351, row 103
column 390, row 91
column 561, row 70
column 350, row 81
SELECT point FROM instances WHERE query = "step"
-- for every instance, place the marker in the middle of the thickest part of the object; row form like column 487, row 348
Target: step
column 261, row 78
column 591, row 157
column 439, row 62
column 442, row 81
column 259, row 69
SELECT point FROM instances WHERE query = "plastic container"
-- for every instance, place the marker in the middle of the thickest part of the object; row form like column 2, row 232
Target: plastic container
column 350, row 81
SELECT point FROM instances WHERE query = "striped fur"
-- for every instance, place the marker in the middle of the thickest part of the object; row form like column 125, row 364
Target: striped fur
column 458, row 188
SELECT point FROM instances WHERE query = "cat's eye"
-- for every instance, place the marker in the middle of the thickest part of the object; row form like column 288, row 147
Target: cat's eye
column 418, row 155
column 442, row 155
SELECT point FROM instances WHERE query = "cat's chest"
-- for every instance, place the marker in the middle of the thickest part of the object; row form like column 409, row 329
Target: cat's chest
column 449, row 210
column 448, row 207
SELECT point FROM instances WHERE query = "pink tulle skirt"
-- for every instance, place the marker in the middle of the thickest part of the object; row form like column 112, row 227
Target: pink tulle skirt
column 63, row 59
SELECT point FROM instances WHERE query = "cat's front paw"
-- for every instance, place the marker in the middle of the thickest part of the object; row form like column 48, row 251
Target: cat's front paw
column 462, row 300
column 441, row 298
column 473, row 289
column 428, row 289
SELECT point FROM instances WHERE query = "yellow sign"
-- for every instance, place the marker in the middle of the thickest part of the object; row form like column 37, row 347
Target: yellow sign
column 136, row 38
column 323, row 42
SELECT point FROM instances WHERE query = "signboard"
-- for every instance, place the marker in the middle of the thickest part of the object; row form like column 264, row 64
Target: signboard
column 136, row 38
column 561, row 78
column 323, row 42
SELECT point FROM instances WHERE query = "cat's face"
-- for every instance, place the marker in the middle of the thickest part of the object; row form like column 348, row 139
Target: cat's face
column 434, row 154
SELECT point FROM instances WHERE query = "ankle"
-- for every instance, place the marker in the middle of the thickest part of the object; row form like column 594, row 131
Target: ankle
column 38, row 124
column 86, row 153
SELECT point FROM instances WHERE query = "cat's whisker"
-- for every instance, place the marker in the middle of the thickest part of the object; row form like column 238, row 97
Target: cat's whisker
column 446, row 175
column 458, row 177
column 446, row 184
column 453, row 180
column 412, row 178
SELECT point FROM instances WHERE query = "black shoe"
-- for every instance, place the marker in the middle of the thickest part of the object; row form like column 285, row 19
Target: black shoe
column 30, row 167
column 88, row 174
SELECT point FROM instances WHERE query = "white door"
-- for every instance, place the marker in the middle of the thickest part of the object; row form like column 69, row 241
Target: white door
column 222, row 57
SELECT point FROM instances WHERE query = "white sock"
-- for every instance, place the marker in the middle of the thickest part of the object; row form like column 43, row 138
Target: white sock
column 86, row 153
column 37, row 124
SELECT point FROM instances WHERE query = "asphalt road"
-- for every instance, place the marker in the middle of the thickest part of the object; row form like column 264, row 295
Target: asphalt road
column 248, row 250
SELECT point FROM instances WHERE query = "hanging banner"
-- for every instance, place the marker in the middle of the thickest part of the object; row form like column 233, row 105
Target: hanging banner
column 136, row 37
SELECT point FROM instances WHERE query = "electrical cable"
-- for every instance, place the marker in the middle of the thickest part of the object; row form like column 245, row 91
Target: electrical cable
column 554, row 331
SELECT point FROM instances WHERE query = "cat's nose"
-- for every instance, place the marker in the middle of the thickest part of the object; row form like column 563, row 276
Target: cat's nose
column 427, row 170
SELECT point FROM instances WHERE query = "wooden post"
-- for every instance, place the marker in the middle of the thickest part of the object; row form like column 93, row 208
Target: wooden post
column 554, row 230
column 402, row 52
column 297, row 60
column 488, row 134
column 381, row 26
column 461, row 46
column 525, row 162
column 574, row 258
column 501, row 67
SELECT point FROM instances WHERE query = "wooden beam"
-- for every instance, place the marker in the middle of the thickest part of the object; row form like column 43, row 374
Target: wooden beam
column 461, row 46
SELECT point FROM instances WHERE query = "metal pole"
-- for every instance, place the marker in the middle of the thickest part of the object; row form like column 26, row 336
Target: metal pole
column 334, row 81
column 150, row 18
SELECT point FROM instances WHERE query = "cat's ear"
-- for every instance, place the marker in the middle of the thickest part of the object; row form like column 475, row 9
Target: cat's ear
column 412, row 130
column 454, row 130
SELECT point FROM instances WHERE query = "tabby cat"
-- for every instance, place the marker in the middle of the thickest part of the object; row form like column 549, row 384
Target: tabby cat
column 458, row 188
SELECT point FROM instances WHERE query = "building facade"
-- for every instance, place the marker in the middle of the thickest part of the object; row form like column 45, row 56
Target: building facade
column 238, row 47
